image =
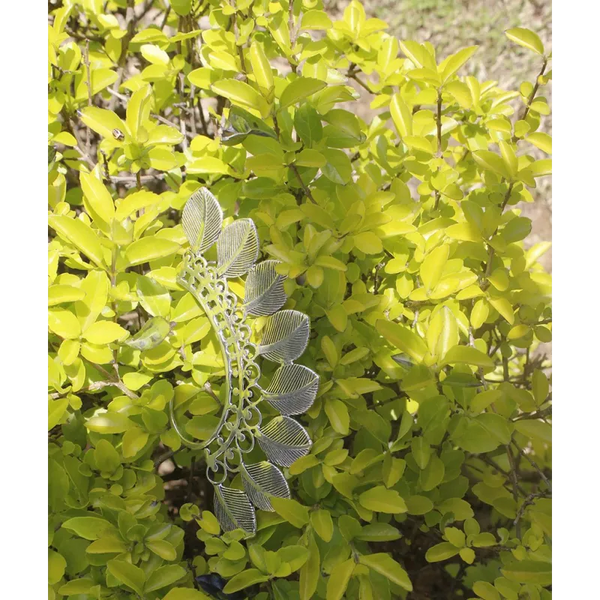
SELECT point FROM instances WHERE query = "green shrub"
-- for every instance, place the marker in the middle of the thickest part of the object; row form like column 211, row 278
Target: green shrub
column 401, row 239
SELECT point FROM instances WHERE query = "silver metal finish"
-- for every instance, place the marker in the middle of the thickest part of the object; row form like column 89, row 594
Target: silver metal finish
column 292, row 389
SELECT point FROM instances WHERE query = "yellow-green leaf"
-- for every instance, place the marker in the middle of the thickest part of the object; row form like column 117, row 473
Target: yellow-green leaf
column 538, row 430
column 98, row 197
column 105, row 332
column 526, row 38
column 491, row 162
column 138, row 110
column 337, row 413
column 241, row 94
column 509, row 157
column 103, row 122
column 540, row 140
column 154, row 55
column 468, row 355
column 63, row 323
column 433, row 266
column 339, row 579
column 403, row 338
column 442, row 333
column 401, row 115
column 322, row 523
column 128, row 574
column 162, row 548
column 385, row 565
column 453, row 63
column 504, row 307
column 316, row 20
column 291, row 511
column 441, row 552
column 135, row 202
column 150, row 248
column 486, row 590
column 109, row 422
column 310, row 571
column 380, row 499
column 89, row 528
column 368, row 242
column 261, row 69
column 244, row 579
column 81, row 235
column 300, row 88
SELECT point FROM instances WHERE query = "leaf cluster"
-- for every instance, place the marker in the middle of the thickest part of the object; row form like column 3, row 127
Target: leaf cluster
column 399, row 236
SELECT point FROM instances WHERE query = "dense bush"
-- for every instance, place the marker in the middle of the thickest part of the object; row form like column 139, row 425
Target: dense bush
column 430, row 474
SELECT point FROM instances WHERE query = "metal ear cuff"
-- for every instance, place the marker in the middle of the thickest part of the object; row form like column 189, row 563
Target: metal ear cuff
column 293, row 387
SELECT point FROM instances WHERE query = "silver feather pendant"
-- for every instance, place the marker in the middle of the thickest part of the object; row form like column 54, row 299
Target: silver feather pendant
column 292, row 389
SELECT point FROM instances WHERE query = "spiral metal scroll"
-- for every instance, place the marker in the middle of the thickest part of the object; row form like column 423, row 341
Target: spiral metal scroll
column 293, row 387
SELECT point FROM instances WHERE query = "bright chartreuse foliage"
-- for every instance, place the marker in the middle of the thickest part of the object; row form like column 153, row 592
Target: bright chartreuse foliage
column 401, row 238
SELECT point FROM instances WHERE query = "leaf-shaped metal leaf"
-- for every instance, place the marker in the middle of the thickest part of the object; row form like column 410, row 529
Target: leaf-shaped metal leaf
column 237, row 249
column 284, row 441
column 264, row 289
column 234, row 510
column 292, row 389
column 262, row 481
column 285, row 336
column 202, row 220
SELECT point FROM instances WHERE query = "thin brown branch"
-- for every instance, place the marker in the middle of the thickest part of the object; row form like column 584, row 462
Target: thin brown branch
column 515, row 484
column 130, row 23
column 162, row 119
column 182, row 123
column 307, row 191
column 438, row 122
column 533, row 464
column 166, row 17
column 491, row 251
column 202, row 117
column 532, row 95
column 528, row 502
column 360, row 82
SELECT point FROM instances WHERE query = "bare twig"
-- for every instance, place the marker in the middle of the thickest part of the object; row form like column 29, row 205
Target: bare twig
column 88, row 82
column 134, row 180
column 192, row 110
column 189, row 135
column 202, row 117
column 161, row 459
column 532, row 95
column 293, row 33
column 307, row 191
column 99, row 385
column 491, row 463
column 491, row 251
column 360, row 82
column 166, row 17
column 528, row 502
column 533, row 464
column 438, row 122
column 513, row 476
column 130, row 23
column 71, row 129
column 182, row 123
column 120, row 96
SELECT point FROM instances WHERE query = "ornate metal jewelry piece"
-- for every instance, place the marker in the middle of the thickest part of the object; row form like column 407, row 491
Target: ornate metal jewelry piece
column 284, row 338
